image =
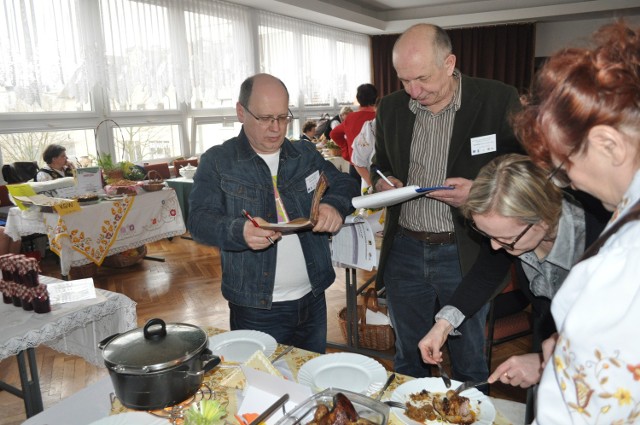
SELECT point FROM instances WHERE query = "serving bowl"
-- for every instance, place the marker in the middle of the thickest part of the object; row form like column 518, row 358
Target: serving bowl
column 188, row 171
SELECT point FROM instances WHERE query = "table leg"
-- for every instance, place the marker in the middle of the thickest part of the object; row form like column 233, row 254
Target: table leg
column 30, row 387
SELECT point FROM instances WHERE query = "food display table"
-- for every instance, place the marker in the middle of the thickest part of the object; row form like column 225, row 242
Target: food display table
column 105, row 228
column 95, row 402
column 73, row 328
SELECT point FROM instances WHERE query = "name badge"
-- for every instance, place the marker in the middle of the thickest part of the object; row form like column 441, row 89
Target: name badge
column 312, row 181
column 483, row 144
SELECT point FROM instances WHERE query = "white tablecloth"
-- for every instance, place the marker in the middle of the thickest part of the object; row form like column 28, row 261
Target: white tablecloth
column 103, row 229
column 73, row 328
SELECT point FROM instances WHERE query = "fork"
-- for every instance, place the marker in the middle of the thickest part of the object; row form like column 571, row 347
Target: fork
column 395, row 404
column 468, row 384
column 444, row 376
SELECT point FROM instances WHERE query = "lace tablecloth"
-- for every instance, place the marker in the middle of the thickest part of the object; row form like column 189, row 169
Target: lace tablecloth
column 73, row 328
column 105, row 228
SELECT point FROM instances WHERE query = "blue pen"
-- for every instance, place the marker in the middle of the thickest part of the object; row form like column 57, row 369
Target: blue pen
column 434, row 188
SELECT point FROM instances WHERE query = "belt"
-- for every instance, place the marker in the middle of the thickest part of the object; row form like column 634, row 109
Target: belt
column 443, row 238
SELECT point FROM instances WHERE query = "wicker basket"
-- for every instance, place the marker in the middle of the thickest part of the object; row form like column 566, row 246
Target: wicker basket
column 373, row 337
column 122, row 259
column 153, row 182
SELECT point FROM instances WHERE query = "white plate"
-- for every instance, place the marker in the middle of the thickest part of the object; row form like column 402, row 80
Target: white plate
column 238, row 346
column 479, row 402
column 129, row 418
column 347, row 371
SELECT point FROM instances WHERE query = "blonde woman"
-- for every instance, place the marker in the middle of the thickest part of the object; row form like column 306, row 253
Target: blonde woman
column 515, row 205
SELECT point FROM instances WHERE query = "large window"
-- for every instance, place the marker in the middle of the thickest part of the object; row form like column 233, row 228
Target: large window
column 162, row 75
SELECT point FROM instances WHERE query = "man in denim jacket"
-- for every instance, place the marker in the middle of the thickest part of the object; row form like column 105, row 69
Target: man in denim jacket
column 274, row 283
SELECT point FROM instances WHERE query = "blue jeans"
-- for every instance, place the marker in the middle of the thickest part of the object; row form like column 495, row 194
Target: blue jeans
column 419, row 278
column 301, row 323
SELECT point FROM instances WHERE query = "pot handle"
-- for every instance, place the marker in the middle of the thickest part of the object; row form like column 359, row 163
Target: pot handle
column 209, row 361
column 157, row 333
column 105, row 341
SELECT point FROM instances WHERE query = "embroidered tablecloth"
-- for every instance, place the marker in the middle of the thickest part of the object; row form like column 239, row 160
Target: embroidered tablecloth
column 106, row 228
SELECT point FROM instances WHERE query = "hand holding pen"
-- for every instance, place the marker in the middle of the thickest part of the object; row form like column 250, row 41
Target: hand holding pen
column 255, row 224
column 391, row 184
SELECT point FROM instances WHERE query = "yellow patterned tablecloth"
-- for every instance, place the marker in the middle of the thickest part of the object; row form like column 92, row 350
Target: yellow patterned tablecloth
column 294, row 360
column 106, row 228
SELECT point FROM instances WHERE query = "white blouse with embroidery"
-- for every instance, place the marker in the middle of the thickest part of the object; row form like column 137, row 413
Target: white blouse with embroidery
column 594, row 374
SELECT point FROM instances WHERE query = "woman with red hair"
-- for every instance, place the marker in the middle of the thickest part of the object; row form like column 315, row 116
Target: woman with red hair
column 582, row 120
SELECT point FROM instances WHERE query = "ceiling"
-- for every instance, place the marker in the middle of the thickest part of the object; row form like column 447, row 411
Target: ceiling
column 394, row 16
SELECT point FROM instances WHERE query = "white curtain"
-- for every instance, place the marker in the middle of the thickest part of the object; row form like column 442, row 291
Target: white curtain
column 149, row 55
column 171, row 51
column 43, row 62
column 319, row 64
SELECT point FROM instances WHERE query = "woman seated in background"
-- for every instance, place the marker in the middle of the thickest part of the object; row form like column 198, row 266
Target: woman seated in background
column 583, row 120
column 58, row 165
column 514, row 204
column 309, row 131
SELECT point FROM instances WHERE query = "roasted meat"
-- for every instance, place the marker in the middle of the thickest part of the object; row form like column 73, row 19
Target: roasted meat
column 450, row 407
column 342, row 413
column 454, row 408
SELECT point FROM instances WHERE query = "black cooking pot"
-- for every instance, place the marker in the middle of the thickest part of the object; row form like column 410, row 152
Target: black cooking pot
column 159, row 365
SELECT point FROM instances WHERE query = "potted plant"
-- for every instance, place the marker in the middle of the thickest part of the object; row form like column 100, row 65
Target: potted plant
column 332, row 148
column 111, row 170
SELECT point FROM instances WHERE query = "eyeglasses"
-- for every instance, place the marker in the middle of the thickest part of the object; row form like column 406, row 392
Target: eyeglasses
column 508, row 246
column 268, row 120
column 559, row 176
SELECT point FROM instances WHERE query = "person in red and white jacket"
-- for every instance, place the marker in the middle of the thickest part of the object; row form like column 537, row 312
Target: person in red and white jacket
column 344, row 134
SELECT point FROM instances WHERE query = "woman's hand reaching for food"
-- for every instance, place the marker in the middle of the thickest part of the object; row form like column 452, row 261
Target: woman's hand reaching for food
column 519, row 371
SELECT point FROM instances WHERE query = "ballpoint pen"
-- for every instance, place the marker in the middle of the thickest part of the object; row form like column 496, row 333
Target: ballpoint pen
column 255, row 224
column 385, row 178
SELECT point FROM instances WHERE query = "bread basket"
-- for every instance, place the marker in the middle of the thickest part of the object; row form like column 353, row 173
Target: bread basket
column 153, row 182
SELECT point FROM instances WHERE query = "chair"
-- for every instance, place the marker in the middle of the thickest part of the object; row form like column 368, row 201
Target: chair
column 19, row 172
column 508, row 316
column 179, row 163
column 161, row 168
column 5, row 204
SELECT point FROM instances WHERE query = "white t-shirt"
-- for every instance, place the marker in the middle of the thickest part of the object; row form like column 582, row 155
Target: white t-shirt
column 292, row 279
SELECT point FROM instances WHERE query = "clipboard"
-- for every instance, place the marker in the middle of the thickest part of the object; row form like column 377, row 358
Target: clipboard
column 394, row 196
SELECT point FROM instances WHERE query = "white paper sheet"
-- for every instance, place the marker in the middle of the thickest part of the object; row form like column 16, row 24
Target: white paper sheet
column 263, row 390
column 354, row 245
column 69, row 291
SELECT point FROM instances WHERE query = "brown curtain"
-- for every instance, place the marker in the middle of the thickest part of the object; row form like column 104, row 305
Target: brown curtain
column 505, row 53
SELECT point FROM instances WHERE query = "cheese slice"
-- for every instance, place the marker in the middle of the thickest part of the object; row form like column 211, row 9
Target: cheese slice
column 257, row 361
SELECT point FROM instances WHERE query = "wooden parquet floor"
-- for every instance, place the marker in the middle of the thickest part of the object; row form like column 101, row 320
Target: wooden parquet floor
column 184, row 288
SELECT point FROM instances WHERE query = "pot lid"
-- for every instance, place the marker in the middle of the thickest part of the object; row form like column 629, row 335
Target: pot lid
column 156, row 346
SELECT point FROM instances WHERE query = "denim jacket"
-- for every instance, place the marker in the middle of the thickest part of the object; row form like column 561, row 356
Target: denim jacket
column 232, row 177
